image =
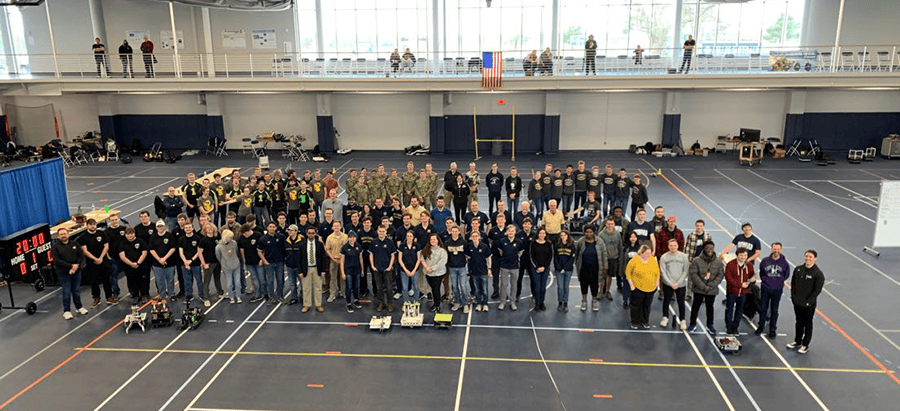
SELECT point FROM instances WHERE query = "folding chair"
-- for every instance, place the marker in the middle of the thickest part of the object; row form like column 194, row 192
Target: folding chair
column 245, row 145
column 211, row 145
column 220, row 148
column 258, row 149
column 794, row 149
column 112, row 152
column 67, row 159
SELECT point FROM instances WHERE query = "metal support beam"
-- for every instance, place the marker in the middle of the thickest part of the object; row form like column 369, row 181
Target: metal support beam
column 835, row 55
column 52, row 40
column 97, row 22
column 676, row 41
column 174, row 39
column 320, row 36
column 207, row 43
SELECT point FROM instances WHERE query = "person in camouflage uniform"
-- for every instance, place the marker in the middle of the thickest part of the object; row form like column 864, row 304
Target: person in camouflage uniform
column 409, row 182
column 422, row 187
column 376, row 189
column 393, row 187
column 350, row 183
column 435, row 183
column 361, row 191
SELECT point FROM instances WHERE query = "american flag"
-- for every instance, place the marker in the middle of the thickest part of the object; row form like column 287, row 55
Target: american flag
column 492, row 70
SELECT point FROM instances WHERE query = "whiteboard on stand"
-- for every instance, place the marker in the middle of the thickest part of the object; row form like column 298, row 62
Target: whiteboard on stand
column 887, row 225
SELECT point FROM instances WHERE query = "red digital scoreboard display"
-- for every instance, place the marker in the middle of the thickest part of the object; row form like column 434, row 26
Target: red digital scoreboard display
column 25, row 252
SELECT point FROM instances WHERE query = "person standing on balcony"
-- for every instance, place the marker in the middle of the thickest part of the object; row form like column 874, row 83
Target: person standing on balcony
column 125, row 54
column 638, row 55
column 590, row 55
column 100, row 56
column 546, row 62
column 688, row 47
column 149, row 59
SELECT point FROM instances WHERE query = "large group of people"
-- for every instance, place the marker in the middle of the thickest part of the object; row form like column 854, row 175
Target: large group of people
column 283, row 237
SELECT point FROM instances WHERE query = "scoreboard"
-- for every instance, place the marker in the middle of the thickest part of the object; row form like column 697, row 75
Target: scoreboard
column 25, row 252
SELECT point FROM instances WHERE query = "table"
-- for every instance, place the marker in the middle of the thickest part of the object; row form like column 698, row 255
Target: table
column 74, row 228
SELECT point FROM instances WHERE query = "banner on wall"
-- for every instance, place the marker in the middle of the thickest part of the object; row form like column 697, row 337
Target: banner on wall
column 165, row 39
column 136, row 36
column 263, row 38
column 234, row 39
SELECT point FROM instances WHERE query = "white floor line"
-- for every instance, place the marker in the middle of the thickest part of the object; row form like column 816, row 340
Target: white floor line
column 831, row 201
column 880, row 178
column 53, row 343
column 462, row 364
column 211, row 356
column 487, row 326
column 839, row 181
column 233, row 356
column 883, row 274
column 873, row 201
column 148, row 363
column 547, row 367
column 709, row 371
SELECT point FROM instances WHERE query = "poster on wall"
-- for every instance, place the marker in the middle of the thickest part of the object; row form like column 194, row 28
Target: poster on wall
column 136, row 36
column 165, row 39
column 263, row 38
column 234, row 39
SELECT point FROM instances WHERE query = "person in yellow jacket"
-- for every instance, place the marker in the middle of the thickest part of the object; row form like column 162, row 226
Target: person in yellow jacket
column 643, row 274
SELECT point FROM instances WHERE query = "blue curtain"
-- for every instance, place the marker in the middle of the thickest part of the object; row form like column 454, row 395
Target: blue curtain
column 33, row 194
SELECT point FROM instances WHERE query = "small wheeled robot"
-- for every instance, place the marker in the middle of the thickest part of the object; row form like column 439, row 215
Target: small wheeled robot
column 443, row 320
column 380, row 324
column 136, row 317
column 729, row 344
column 192, row 317
column 412, row 316
column 160, row 314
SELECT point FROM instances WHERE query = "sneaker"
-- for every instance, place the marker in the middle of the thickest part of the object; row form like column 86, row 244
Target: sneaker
column 466, row 309
column 455, row 307
column 484, row 308
column 495, row 295
column 664, row 322
column 760, row 329
column 96, row 303
column 791, row 345
column 478, row 308
column 609, row 296
column 634, row 327
column 583, row 305
column 390, row 307
column 692, row 327
column 380, row 307
column 772, row 334
column 430, row 297
column 682, row 325
column 447, row 298
column 711, row 329
column 357, row 305
column 82, row 311
column 232, row 301
column 559, row 307
column 397, row 296
column 112, row 300
column 67, row 315
column 513, row 306
column 803, row 349
column 645, row 326
column 207, row 304
column 350, row 308
column 625, row 305
column 595, row 305
column 331, row 299
column 687, row 298
column 272, row 301
column 502, row 305
column 256, row 299
column 238, row 301
column 565, row 307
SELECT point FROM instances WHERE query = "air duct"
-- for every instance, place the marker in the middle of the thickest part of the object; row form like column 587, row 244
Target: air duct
column 246, row 5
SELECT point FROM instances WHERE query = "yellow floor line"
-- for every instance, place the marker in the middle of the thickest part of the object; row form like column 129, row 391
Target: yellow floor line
column 457, row 358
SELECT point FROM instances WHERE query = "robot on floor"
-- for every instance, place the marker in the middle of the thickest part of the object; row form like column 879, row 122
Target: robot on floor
column 412, row 316
column 729, row 344
column 136, row 317
column 192, row 317
column 160, row 314
column 380, row 324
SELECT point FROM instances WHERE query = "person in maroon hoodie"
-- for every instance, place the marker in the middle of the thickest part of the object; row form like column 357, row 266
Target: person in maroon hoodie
column 738, row 276
column 669, row 232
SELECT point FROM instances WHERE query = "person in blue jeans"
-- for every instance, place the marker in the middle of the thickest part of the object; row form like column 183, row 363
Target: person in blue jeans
column 774, row 270
column 68, row 261
column 738, row 277
column 409, row 261
column 162, row 248
column 478, row 254
column 247, row 244
column 271, row 257
column 189, row 251
column 456, row 258
column 564, row 265
column 351, row 269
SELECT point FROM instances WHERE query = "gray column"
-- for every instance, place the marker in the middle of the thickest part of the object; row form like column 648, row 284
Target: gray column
column 320, row 37
column 554, row 28
column 207, row 43
column 676, row 41
column 435, row 37
column 835, row 55
column 97, row 23
column 174, row 39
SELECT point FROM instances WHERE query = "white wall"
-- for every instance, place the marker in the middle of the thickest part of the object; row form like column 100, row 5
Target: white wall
column 707, row 115
column 609, row 121
column 486, row 103
column 251, row 115
column 157, row 104
column 76, row 114
column 281, row 21
column 866, row 22
column 852, row 101
column 381, row 121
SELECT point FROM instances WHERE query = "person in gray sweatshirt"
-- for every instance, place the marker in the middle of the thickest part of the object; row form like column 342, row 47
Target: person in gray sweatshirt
column 673, row 269
column 227, row 254
column 613, row 240
column 706, row 273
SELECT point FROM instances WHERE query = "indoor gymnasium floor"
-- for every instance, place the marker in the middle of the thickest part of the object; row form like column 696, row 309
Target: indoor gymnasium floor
column 261, row 357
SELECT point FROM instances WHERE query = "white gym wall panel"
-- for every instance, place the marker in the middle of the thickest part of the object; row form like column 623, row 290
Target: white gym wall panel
column 248, row 115
column 380, row 121
column 609, row 121
column 707, row 115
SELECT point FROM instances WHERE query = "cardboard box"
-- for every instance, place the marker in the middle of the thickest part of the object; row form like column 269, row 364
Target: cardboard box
column 779, row 153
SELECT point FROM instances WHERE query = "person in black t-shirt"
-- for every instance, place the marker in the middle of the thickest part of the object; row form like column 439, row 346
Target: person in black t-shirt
column 95, row 246
column 125, row 54
column 100, row 56
column 688, row 47
column 248, row 248
column 190, row 192
column 133, row 255
column 189, row 251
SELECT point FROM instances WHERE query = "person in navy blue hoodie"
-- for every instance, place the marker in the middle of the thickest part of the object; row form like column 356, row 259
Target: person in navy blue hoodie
column 774, row 271
column 564, row 265
column 478, row 254
column 494, row 182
